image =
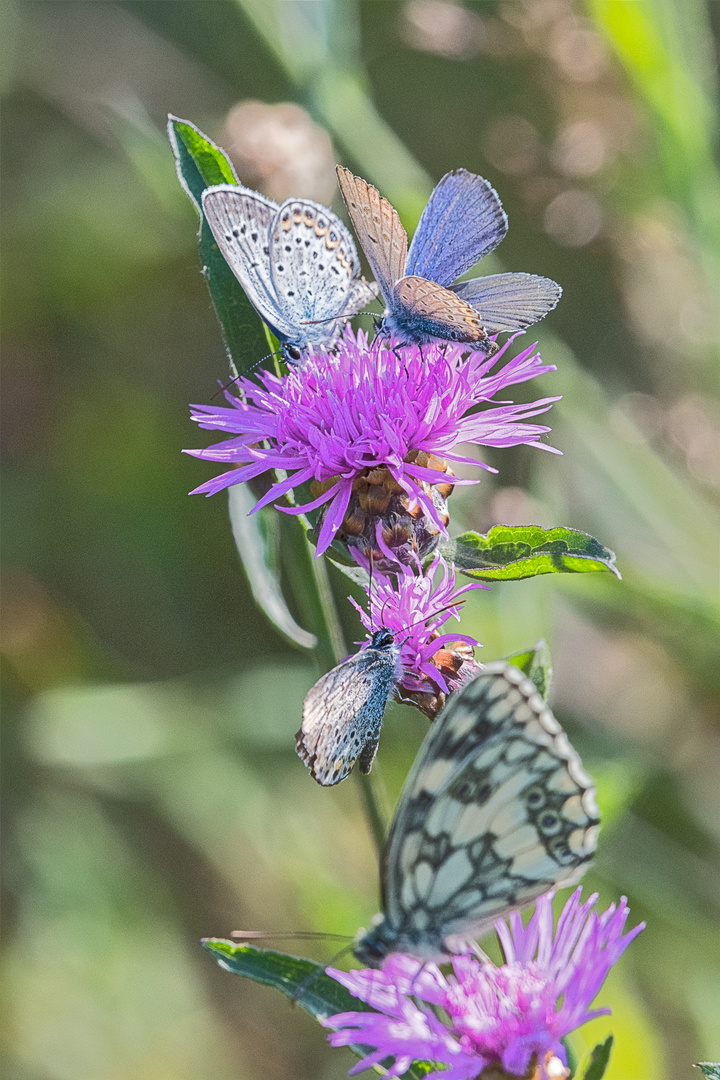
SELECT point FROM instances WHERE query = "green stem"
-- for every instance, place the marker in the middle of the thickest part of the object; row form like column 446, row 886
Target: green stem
column 331, row 621
column 372, row 802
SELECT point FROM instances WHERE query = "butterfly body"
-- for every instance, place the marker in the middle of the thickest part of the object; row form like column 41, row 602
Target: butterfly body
column 497, row 810
column 343, row 712
column 463, row 221
column 296, row 262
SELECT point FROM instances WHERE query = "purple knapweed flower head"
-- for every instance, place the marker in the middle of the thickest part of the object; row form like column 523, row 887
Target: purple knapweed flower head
column 511, row 1017
column 414, row 605
column 341, row 414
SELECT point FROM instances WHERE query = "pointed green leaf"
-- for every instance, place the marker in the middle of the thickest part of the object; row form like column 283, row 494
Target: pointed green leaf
column 303, row 981
column 200, row 164
column 709, row 1069
column 536, row 663
column 255, row 547
column 512, row 552
column 599, row 1059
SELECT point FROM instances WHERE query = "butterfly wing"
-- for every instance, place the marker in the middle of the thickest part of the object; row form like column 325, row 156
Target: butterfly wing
column 378, row 227
column 342, row 716
column 422, row 310
column 315, row 270
column 509, row 301
column 240, row 221
column 496, row 810
column 463, row 221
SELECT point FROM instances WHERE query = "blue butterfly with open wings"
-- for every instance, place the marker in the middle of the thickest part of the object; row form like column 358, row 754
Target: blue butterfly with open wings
column 463, row 221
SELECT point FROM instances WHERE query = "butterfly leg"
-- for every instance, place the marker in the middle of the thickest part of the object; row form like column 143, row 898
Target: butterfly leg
column 480, row 953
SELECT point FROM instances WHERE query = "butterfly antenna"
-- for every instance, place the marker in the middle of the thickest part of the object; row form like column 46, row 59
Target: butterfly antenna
column 236, row 377
column 370, row 574
column 286, row 935
column 334, row 318
column 427, row 618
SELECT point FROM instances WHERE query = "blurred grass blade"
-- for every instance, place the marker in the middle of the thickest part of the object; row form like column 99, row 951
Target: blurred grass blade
column 319, row 48
column 303, row 981
column 512, row 552
column 686, row 523
column 200, row 164
column 536, row 663
column 599, row 1059
column 254, row 553
column 666, row 49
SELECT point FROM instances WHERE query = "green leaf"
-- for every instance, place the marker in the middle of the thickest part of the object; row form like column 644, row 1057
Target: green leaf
column 709, row 1069
column 255, row 547
column 200, row 164
column 536, row 663
column 301, row 980
column 599, row 1059
column 512, row 552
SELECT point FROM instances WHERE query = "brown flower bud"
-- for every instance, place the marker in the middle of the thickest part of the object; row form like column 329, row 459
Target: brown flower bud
column 377, row 497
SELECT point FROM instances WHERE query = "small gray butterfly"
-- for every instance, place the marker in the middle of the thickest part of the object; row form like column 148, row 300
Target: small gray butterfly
column 463, row 221
column 343, row 712
column 297, row 263
column 497, row 810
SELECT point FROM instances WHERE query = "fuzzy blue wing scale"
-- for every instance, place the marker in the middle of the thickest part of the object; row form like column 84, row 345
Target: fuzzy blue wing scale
column 462, row 221
column 508, row 302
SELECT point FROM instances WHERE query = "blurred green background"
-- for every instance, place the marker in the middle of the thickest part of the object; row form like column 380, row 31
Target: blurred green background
column 152, row 794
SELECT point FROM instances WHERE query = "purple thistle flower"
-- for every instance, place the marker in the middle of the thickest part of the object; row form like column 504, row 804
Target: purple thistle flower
column 341, row 413
column 414, row 605
column 508, row 1016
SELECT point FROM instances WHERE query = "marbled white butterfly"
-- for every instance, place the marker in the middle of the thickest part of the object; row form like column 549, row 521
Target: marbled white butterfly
column 497, row 810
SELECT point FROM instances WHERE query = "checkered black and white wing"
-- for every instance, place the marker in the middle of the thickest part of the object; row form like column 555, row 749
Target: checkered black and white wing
column 496, row 811
column 342, row 715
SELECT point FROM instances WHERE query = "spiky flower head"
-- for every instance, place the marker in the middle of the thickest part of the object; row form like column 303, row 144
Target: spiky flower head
column 367, row 405
column 414, row 604
column 506, row 1019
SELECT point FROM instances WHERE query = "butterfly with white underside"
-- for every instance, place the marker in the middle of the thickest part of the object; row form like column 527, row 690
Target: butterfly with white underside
column 343, row 712
column 296, row 262
column 496, row 811
column 463, row 221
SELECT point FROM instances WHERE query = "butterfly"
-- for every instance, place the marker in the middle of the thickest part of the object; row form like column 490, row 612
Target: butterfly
column 497, row 809
column 463, row 221
column 343, row 712
column 296, row 262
